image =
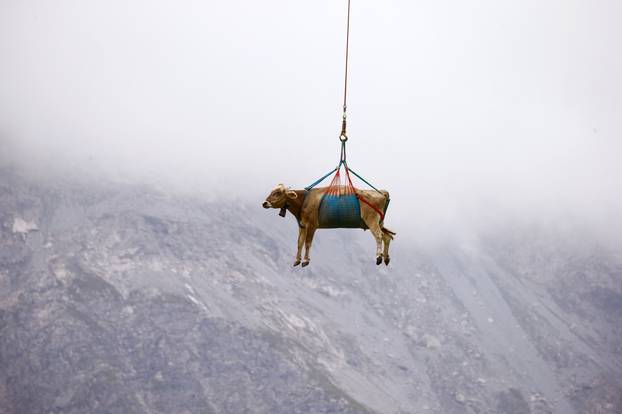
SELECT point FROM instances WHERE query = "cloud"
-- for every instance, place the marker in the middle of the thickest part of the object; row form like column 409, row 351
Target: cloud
column 463, row 112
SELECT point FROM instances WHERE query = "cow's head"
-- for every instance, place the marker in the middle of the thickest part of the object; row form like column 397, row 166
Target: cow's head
column 278, row 197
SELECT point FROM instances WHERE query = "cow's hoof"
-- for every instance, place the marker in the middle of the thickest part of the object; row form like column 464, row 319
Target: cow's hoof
column 387, row 259
column 379, row 259
column 305, row 263
column 296, row 263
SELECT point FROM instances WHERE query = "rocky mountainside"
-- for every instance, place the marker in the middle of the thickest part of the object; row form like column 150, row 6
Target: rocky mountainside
column 120, row 299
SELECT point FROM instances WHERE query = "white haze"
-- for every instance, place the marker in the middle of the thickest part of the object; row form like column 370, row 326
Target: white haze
column 468, row 112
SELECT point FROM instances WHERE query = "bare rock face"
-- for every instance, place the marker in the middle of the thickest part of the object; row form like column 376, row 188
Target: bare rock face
column 118, row 299
column 21, row 226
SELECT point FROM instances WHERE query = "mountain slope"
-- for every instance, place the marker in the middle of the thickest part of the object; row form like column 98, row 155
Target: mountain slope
column 122, row 299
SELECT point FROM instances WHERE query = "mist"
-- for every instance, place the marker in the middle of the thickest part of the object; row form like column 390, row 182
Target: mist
column 471, row 114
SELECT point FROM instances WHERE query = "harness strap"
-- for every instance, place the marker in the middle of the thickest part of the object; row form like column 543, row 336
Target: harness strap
column 377, row 210
column 309, row 187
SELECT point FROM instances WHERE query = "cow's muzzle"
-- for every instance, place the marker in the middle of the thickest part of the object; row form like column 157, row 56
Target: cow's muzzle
column 266, row 204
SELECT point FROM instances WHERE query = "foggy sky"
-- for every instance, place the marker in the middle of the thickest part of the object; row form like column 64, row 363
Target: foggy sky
column 477, row 110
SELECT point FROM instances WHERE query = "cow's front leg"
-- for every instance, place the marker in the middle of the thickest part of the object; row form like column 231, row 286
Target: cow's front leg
column 302, row 234
column 308, row 242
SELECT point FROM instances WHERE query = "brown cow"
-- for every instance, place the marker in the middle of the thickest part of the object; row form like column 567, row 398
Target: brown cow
column 304, row 205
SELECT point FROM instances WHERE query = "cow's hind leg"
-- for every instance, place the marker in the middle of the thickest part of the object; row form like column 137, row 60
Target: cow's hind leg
column 386, row 238
column 374, row 227
column 308, row 243
column 302, row 233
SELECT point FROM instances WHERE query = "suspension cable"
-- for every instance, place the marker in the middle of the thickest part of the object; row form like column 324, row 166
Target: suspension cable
column 344, row 136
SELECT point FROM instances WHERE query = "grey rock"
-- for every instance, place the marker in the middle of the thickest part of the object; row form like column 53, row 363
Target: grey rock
column 129, row 300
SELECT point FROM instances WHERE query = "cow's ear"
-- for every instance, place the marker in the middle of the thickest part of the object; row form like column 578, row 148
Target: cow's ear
column 292, row 194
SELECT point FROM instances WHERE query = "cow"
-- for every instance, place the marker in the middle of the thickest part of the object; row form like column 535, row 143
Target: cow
column 304, row 205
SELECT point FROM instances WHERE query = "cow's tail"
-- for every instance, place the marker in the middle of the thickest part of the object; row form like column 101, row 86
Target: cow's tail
column 388, row 232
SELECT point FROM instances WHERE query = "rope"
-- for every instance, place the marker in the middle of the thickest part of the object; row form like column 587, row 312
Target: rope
column 309, row 187
column 377, row 210
column 343, row 136
column 364, row 180
column 335, row 187
column 345, row 83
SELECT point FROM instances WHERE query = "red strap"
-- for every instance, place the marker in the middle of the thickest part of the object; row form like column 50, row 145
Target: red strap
column 380, row 213
column 335, row 187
